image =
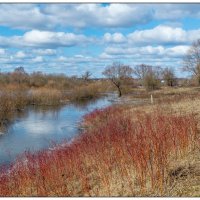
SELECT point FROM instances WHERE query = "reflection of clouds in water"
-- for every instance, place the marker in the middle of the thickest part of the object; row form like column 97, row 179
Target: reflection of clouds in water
column 39, row 128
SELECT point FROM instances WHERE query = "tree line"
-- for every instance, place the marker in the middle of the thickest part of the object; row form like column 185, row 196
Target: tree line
column 151, row 76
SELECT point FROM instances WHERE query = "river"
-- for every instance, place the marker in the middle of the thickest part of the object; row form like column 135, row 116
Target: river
column 37, row 127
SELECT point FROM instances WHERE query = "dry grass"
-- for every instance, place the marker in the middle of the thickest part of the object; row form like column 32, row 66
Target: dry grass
column 45, row 96
column 184, row 175
column 89, row 91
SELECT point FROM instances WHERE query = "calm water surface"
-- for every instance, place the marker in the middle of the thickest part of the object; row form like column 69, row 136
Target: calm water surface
column 37, row 127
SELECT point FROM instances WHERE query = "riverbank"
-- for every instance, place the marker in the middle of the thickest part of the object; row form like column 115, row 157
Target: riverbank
column 14, row 99
column 127, row 150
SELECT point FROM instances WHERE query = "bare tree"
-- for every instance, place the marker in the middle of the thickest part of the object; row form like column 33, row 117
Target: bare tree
column 19, row 75
column 20, row 70
column 192, row 60
column 118, row 73
column 86, row 76
column 151, row 80
column 141, row 71
column 149, row 75
column 169, row 77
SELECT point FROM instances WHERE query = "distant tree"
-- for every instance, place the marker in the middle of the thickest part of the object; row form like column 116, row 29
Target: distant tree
column 169, row 77
column 192, row 60
column 149, row 75
column 86, row 76
column 141, row 70
column 118, row 73
column 20, row 70
column 19, row 75
column 151, row 80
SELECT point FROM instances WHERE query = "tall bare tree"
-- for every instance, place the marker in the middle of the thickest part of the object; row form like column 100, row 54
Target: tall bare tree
column 192, row 60
column 118, row 73
column 169, row 77
column 86, row 76
column 141, row 70
column 149, row 75
column 19, row 75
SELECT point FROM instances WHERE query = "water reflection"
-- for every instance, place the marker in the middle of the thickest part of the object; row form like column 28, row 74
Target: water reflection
column 83, row 104
column 36, row 127
column 5, row 124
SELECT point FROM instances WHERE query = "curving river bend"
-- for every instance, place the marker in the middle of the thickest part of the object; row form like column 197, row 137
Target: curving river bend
column 37, row 127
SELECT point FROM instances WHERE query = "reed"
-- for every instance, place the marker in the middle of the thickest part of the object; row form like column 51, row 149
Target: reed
column 45, row 96
column 85, row 92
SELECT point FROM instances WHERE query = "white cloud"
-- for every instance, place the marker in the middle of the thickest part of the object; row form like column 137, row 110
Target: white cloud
column 54, row 39
column 147, row 51
column 114, row 38
column 177, row 51
column 37, row 59
column 23, row 16
column 44, row 52
column 44, row 39
column 49, row 16
column 20, row 54
column 113, row 15
column 62, row 59
column 176, row 11
column 158, row 35
column 2, row 51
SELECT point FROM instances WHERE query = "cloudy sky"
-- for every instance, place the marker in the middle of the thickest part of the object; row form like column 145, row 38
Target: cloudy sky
column 73, row 38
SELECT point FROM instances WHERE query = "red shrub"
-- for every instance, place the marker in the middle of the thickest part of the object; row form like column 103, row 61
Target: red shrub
column 116, row 146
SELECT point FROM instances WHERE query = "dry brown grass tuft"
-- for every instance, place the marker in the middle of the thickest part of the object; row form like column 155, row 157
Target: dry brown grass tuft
column 82, row 93
column 45, row 96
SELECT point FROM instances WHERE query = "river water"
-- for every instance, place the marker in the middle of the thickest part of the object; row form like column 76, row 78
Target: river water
column 37, row 127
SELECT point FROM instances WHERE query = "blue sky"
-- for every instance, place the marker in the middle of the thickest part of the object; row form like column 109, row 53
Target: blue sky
column 73, row 38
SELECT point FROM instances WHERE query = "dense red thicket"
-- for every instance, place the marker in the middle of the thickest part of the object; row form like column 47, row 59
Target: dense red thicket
column 133, row 152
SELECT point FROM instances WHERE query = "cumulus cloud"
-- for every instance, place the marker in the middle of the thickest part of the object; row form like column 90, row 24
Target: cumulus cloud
column 37, row 59
column 144, row 52
column 114, row 38
column 44, row 39
column 160, row 34
column 112, row 15
column 152, row 55
column 177, row 51
column 176, row 11
column 44, row 52
column 20, row 54
column 112, row 32
column 24, row 16
column 52, row 39
column 49, row 16
column 165, row 35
